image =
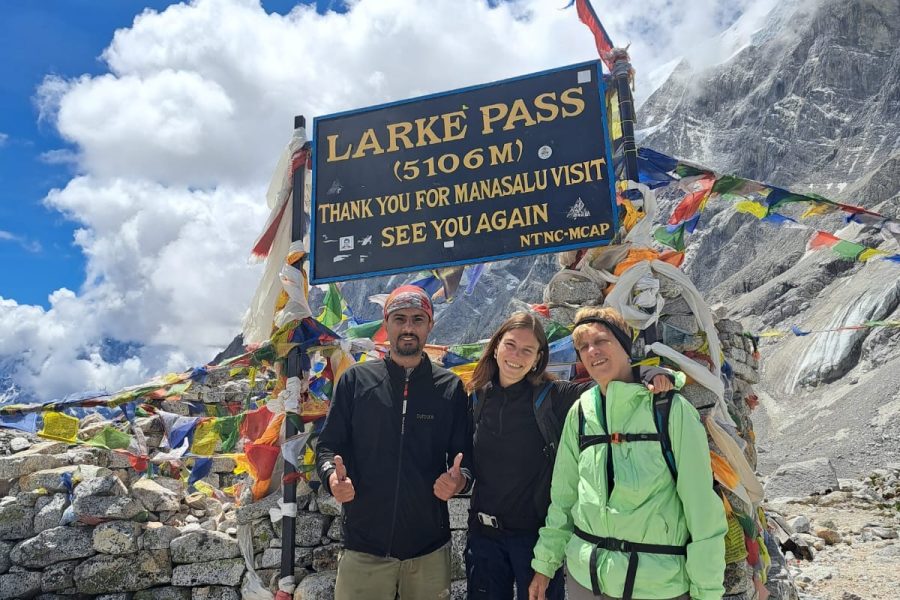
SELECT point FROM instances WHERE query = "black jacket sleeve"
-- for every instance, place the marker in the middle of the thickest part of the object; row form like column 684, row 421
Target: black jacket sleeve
column 461, row 434
column 335, row 436
column 567, row 392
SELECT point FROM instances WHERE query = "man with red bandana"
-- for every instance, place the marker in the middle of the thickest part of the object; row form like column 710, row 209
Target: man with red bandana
column 395, row 447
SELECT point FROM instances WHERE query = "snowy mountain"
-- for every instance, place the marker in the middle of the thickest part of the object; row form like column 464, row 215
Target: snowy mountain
column 812, row 105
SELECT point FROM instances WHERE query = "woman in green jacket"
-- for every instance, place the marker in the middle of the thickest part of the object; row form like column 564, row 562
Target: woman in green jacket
column 625, row 527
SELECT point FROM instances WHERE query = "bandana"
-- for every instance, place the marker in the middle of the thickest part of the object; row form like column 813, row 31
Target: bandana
column 622, row 337
column 408, row 296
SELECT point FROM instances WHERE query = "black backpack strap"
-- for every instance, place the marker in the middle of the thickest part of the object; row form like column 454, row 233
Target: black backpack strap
column 477, row 407
column 662, row 406
column 547, row 422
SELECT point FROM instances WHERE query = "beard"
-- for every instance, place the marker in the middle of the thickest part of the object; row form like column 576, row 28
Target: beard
column 414, row 348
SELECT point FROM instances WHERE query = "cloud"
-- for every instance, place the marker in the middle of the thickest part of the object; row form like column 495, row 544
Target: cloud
column 3, row 139
column 175, row 143
column 32, row 246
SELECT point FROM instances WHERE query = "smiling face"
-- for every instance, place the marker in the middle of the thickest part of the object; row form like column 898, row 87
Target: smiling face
column 603, row 356
column 407, row 330
column 517, row 353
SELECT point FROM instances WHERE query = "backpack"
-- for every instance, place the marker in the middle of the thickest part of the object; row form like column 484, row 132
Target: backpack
column 662, row 407
column 547, row 422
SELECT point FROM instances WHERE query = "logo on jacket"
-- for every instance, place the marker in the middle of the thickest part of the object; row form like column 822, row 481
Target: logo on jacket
column 424, row 417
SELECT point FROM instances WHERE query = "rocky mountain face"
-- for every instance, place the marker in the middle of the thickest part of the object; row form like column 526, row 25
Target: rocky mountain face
column 812, row 106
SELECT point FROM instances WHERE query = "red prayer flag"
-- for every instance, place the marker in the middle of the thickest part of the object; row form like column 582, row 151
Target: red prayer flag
column 255, row 423
column 589, row 17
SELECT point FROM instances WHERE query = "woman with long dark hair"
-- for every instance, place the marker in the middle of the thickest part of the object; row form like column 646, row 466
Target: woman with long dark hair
column 518, row 410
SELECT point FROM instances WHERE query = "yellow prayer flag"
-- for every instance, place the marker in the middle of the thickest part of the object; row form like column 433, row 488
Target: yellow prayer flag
column 757, row 210
column 242, row 465
column 205, row 438
column 818, row 209
column 465, row 372
column 869, row 253
column 59, row 426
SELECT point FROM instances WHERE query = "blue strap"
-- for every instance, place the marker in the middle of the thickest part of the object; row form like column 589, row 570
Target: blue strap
column 540, row 398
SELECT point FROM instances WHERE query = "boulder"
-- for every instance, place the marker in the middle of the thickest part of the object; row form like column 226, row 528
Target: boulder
column 335, row 531
column 203, row 546
column 116, row 537
column 23, row 584
column 16, row 520
column 325, row 558
column 158, row 536
column 49, row 512
column 317, row 586
column 5, row 549
column 801, row 479
column 255, row 510
column 310, row 528
column 215, row 592
column 51, row 479
column 59, row 577
column 36, row 458
column 327, row 504
column 101, row 485
column 217, row 572
column 52, row 546
column 96, row 509
column 164, row 593
column 154, row 497
column 105, row 573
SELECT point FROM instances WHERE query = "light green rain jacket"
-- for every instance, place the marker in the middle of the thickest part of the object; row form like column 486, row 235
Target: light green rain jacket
column 646, row 506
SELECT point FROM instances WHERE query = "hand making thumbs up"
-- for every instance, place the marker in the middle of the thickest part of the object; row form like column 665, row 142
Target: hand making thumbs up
column 452, row 482
column 341, row 485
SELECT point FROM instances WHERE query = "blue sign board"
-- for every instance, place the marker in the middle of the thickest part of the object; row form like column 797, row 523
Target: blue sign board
column 517, row 167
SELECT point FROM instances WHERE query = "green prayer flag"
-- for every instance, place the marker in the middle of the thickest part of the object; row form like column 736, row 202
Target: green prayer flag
column 848, row 250
column 227, row 428
column 332, row 309
column 672, row 239
column 111, row 438
column 365, row 330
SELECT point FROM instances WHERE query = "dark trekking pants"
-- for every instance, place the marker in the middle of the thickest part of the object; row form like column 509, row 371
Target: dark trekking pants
column 495, row 562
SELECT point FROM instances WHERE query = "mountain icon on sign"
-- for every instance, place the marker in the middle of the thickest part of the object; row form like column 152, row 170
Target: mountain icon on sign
column 578, row 210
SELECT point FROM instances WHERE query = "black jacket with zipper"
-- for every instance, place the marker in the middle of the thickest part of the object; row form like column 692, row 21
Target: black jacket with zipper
column 394, row 459
column 513, row 466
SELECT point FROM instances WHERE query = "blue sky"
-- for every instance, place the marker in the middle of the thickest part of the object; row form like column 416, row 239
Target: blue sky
column 65, row 38
column 138, row 140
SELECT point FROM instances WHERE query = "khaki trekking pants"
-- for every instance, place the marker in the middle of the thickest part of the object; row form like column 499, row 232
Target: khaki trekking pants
column 370, row 577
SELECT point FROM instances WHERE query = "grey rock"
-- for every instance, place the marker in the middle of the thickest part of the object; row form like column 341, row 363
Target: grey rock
column 216, row 592
column 106, row 573
column 884, row 533
column 17, row 444
column 5, row 549
column 255, row 510
column 49, row 512
column 24, row 584
column 327, row 504
column 325, row 558
column 84, row 455
column 203, row 546
column 36, row 458
column 52, row 546
column 801, row 479
column 459, row 513
column 738, row 577
column 158, row 536
column 222, row 464
column 218, row 572
column 96, row 509
column 269, row 559
column 699, row 396
column 574, row 291
column 335, row 531
column 51, row 479
column 153, row 496
column 457, row 554
column 101, row 485
column 263, row 534
column 164, row 593
column 16, row 521
column 59, row 577
column 310, row 528
column 800, row 524
column 317, row 586
column 116, row 537
column 31, row 498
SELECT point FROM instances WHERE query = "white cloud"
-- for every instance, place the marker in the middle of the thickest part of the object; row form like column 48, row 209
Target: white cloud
column 176, row 143
column 3, row 139
column 32, row 246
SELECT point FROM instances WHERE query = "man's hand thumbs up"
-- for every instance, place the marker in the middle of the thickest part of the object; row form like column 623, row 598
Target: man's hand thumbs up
column 452, row 482
column 341, row 486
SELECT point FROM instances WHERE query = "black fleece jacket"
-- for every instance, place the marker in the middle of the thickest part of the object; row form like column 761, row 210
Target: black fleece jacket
column 394, row 458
